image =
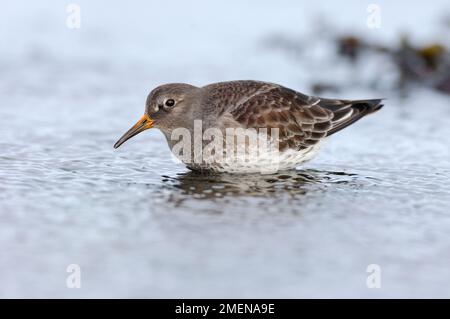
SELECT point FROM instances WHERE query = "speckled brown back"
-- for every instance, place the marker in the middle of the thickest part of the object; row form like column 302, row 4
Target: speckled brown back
column 302, row 120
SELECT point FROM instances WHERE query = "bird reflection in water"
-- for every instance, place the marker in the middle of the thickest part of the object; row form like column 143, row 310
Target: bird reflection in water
column 292, row 183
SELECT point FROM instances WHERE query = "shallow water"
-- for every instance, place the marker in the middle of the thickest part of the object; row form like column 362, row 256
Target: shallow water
column 140, row 225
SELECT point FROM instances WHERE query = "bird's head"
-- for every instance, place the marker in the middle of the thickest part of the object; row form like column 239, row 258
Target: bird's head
column 166, row 108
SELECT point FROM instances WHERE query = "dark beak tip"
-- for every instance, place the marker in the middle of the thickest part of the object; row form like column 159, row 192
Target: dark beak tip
column 139, row 127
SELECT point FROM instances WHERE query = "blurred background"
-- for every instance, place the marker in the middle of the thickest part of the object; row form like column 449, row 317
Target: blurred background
column 74, row 77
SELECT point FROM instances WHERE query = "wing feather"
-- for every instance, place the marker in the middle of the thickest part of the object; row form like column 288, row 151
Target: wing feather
column 302, row 120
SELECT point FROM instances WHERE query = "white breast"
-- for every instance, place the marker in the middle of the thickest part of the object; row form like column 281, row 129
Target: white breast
column 268, row 161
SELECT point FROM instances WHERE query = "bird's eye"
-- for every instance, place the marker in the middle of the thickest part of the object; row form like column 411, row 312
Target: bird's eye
column 170, row 103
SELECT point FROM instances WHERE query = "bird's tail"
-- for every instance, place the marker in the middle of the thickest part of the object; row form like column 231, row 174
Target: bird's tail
column 347, row 112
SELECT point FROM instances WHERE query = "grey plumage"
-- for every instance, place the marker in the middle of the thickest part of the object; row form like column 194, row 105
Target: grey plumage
column 302, row 120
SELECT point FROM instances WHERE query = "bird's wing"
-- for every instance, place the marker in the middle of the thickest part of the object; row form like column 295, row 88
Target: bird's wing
column 301, row 120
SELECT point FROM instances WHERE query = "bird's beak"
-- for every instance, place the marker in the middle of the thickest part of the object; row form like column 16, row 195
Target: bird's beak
column 143, row 124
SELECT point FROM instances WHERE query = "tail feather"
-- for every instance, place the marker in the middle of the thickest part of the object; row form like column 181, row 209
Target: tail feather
column 348, row 112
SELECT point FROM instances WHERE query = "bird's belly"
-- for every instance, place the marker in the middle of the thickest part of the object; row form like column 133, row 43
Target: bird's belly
column 254, row 161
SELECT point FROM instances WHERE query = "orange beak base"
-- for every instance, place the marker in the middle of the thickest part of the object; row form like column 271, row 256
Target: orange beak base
column 143, row 124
